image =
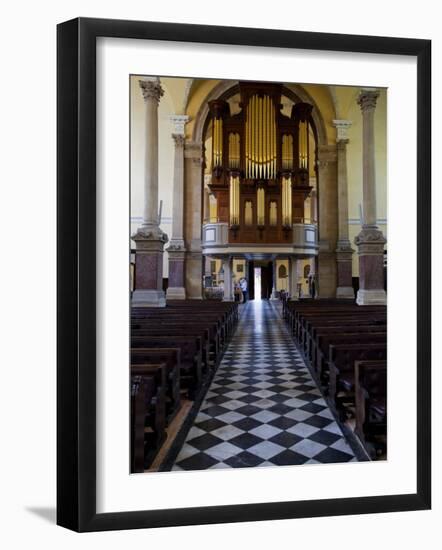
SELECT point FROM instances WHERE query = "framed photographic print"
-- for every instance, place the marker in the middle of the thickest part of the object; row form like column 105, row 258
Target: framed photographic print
column 227, row 342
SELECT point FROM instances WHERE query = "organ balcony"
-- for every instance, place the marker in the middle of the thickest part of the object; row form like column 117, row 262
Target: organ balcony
column 218, row 238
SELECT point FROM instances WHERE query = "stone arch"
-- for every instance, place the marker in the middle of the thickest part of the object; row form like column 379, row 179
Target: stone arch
column 227, row 88
column 325, row 176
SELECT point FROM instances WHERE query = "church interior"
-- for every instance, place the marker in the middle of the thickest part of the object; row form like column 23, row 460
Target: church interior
column 258, row 274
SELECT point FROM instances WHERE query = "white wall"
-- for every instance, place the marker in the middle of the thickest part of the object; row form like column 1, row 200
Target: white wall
column 27, row 466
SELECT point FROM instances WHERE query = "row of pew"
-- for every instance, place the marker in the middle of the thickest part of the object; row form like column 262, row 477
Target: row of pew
column 346, row 346
column 174, row 351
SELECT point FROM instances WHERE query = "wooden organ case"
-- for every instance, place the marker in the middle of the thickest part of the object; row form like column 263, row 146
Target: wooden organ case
column 260, row 164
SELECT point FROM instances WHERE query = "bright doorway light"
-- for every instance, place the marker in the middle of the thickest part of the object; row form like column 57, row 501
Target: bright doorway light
column 257, row 281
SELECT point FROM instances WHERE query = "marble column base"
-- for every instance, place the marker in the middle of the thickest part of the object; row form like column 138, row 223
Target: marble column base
column 371, row 297
column 326, row 282
column 149, row 241
column 344, row 254
column 176, row 290
column 176, row 293
column 194, row 275
column 148, row 298
column 345, row 292
column 370, row 242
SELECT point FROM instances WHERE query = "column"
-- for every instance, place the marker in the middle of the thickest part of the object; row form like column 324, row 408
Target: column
column 370, row 241
column 149, row 238
column 206, row 206
column 176, row 249
column 227, row 263
column 274, row 281
column 293, row 278
column 313, row 207
column 344, row 250
column 328, row 220
column 193, row 189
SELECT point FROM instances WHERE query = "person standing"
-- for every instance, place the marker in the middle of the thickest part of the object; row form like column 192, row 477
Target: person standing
column 243, row 285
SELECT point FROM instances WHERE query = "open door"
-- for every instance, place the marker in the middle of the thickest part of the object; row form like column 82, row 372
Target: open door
column 251, row 280
column 266, row 281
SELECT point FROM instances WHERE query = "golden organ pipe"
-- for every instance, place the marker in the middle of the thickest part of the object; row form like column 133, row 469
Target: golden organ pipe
column 269, row 137
column 259, row 137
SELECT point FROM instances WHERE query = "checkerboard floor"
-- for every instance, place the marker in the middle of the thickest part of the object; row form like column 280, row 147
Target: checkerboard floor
column 263, row 408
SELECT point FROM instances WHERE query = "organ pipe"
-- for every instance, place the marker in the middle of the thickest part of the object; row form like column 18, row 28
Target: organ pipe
column 286, row 197
column 257, row 156
column 260, row 211
column 217, row 142
column 287, row 152
column 248, row 213
column 234, row 150
column 260, row 133
column 234, row 200
column 273, row 213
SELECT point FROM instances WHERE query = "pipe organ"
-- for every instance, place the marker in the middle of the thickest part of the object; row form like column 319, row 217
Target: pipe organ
column 261, row 163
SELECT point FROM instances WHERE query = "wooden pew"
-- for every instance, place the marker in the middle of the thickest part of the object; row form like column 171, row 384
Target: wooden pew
column 173, row 332
column 314, row 336
column 341, row 362
column 209, row 333
column 171, row 357
column 147, row 411
column 191, row 356
column 346, row 336
column 371, row 405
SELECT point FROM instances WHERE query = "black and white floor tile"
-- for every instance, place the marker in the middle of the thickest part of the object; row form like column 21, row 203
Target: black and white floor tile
column 263, row 408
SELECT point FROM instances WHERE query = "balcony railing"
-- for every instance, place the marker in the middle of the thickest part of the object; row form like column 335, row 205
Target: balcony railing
column 304, row 237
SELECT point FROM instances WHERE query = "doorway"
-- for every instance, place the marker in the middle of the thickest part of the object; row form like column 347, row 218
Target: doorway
column 260, row 279
column 257, row 283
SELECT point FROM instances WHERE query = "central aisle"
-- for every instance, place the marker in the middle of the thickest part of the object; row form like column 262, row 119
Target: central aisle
column 263, row 407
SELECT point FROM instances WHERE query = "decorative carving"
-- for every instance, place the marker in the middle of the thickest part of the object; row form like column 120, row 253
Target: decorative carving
column 193, row 149
column 370, row 234
column 367, row 99
column 176, row 246
column 179, row 122
column 344, row 247
column 151, row 89
column 370, row 241
column 179, row 140
column 150, row 233
column 326, row 155
column 342, row 127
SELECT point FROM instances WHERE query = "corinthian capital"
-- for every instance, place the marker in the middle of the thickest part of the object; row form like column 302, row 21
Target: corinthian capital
column 179, row 122
column 151, row 89
column 342, row 127
column 367, row 99
column 179, row 140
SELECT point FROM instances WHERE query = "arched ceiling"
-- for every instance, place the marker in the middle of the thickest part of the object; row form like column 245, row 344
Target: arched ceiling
column 333, row 102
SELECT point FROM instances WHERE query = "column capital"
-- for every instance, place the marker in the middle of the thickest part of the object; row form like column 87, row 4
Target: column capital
column 326, row 155
column 342, row 127
column 367, row 99
column 151, row 89
column 179, row 140
column 176, row 245
column 179, row 123
column 193, row 149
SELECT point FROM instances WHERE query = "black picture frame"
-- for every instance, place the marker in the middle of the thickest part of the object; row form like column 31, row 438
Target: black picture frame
column 76, row 274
